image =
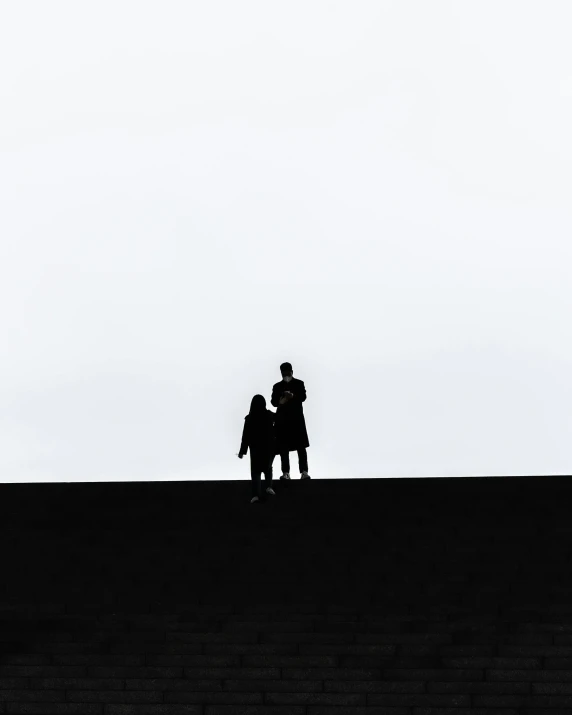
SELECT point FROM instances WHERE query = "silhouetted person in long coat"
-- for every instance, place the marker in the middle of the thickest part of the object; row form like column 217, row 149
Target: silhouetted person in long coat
column 291, row 435
column 258, row 434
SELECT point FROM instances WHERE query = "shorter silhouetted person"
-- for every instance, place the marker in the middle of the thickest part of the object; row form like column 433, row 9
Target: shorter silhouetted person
column 258, row 434
column 291, row 435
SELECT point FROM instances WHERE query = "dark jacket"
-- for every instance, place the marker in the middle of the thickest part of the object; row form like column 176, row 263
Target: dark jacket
column 291, row 433
column 259, row 435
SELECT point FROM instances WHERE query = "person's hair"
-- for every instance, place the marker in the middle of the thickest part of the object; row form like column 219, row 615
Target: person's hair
column 285, row 367
column 257, row 407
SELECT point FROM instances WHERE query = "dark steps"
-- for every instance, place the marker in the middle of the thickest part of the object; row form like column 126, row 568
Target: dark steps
column 414, row 596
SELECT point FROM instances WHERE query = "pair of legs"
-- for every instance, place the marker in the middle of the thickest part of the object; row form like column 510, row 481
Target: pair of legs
column 260, row 464
column 302, row 460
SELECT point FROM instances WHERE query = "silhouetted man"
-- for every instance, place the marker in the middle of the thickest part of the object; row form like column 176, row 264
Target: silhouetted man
column 290, row 425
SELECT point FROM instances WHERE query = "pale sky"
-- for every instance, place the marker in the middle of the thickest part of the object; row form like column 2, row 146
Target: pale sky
column 194, row 192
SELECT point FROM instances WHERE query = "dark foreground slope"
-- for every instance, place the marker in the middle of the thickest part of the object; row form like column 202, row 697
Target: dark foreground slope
column 396, row 596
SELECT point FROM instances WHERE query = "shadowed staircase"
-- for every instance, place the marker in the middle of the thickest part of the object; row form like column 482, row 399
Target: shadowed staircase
column 335, row 597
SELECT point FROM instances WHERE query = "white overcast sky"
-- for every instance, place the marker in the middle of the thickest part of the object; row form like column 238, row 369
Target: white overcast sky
column 194, row 192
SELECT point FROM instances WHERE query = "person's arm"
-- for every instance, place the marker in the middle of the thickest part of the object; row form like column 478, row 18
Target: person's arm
column 271, row 430
column 300, row 394
column 244, row 442
column 274, row 400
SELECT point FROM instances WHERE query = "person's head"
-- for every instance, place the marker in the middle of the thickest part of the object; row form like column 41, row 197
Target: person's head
column 257, row 405
column 286, row 370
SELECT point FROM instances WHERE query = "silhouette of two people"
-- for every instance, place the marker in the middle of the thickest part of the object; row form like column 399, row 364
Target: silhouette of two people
column 269, row 433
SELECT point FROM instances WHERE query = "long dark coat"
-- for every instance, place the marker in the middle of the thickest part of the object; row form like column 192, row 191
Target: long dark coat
column 290, row 425
column 260, row 436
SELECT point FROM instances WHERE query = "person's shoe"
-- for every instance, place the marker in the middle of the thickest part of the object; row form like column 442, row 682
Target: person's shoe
column 254, row 499
column 270, row 491
column 286, row 475
column 305, row 475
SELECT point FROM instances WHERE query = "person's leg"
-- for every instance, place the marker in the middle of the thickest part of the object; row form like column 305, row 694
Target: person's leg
column 303, row 460
column 268, row 472
column 285, row 461
column 255, row 476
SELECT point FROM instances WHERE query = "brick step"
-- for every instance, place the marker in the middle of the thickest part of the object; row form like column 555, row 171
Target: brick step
column 421, row 597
